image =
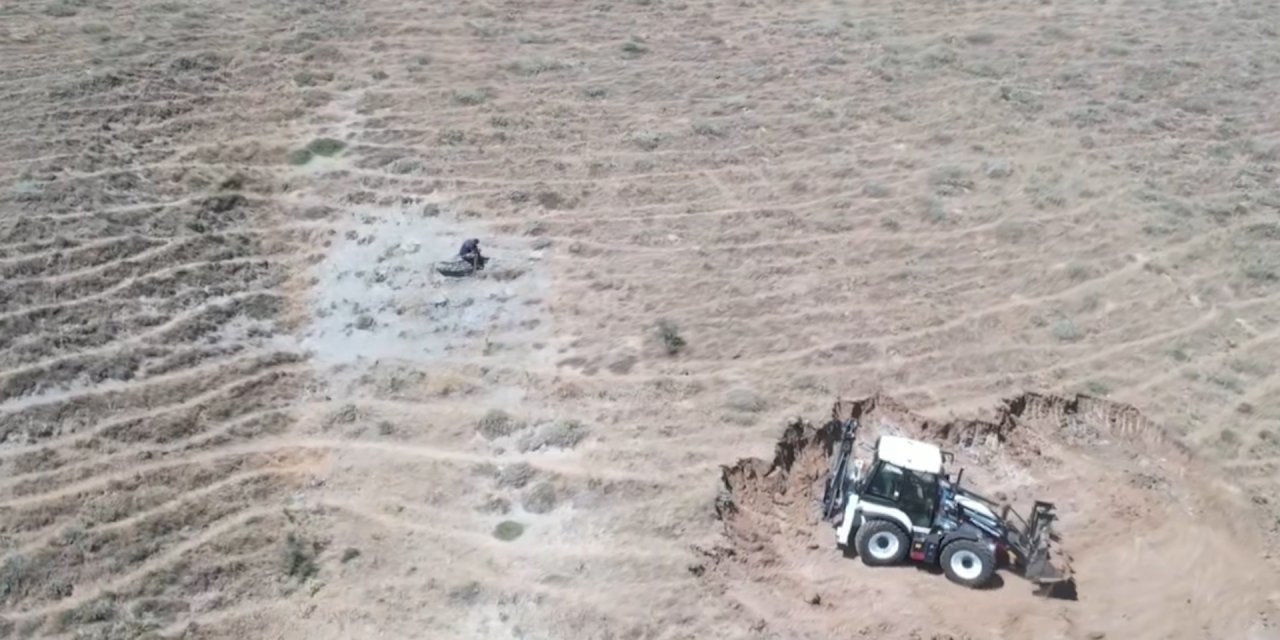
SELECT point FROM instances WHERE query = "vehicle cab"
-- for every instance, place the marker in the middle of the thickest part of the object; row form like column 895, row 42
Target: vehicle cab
column 901, row 483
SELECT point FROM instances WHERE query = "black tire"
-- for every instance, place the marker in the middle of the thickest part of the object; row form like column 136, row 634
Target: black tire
column 454, row 269
column 881, row 543
column 969, row 563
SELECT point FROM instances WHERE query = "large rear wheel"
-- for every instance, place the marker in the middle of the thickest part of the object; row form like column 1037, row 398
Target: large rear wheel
column 881, row 543
column 969, row 563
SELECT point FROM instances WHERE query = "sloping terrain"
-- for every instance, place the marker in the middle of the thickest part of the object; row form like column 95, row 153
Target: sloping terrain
column 236, row 399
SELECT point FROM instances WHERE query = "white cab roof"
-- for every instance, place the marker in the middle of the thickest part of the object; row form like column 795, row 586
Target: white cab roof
column 910, row 454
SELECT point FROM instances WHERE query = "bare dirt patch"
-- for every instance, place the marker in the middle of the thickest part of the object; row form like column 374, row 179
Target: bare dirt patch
column 1109, row 469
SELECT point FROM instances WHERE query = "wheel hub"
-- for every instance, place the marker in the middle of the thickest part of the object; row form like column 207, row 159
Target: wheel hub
column 883, row 545
column 966, row 564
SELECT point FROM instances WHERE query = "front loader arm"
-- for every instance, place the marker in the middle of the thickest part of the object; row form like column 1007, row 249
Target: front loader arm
column 837, row 485
column 1030, row 541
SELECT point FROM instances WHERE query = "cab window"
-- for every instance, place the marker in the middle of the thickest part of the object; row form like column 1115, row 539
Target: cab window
column 912, row 491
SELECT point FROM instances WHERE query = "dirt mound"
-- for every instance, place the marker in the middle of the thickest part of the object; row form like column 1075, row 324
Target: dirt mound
column 1125, row 492
column 764, row 500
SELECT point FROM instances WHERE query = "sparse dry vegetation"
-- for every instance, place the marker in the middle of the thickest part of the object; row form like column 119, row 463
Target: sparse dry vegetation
column 670, row 338
column 472, row 97
column 299, row 558
column 61, row 9
column 560, row 434
column 540, row 498
column 645, row 140
column 225, row 346
column 1066, row 330
column 497, row 424
column 537, row 66
column 634, row 47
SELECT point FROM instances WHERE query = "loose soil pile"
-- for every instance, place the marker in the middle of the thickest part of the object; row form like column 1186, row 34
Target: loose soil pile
column 1139, row 518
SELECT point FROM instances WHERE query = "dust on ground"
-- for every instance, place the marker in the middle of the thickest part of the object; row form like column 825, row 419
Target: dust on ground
column 377, row 295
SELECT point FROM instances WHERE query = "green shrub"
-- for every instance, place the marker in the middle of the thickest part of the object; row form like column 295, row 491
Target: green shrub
column 508, row 530
column 326, row 147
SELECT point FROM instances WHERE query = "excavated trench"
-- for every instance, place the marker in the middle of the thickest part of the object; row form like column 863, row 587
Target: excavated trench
column 1124, row 489
column 789, row 486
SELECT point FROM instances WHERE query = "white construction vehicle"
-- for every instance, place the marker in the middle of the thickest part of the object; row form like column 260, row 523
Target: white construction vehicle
column 904, row 504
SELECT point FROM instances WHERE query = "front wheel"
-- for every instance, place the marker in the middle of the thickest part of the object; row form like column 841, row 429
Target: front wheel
column 881, row 543
column 969, row 563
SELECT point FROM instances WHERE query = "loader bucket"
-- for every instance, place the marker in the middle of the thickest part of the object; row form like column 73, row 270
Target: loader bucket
column 1035, row 557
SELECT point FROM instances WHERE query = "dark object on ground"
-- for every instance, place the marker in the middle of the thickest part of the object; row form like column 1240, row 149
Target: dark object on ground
column 470, row 253
column 469, row 261
column 458, row 268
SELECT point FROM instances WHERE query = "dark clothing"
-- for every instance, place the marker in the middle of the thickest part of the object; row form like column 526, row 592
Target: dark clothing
column 470, row 252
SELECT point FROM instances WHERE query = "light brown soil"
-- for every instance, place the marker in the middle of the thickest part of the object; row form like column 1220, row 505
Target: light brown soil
column 236, row 401
column 1139, row 517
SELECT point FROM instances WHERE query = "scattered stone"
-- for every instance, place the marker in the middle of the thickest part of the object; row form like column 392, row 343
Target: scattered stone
column 349, row 554
column 365, row 323
column 814, row 599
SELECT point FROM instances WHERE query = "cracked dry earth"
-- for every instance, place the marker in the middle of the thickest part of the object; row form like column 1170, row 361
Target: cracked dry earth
column 236, row 400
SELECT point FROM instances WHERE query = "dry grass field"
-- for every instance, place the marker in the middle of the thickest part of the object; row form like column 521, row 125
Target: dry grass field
column 236, row 400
